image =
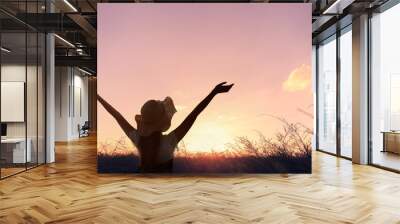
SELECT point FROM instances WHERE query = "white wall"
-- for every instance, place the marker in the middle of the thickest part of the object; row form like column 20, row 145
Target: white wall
column 71, row 93
column 61, row 103
column 81, row 89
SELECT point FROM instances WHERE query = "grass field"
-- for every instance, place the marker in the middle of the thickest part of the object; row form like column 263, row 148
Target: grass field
column 289, row 151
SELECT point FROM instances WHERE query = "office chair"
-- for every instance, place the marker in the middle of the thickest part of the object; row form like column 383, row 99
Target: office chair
column 84, row 130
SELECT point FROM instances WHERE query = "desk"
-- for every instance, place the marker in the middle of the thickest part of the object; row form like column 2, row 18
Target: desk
column 15, row 148
column 391, row 141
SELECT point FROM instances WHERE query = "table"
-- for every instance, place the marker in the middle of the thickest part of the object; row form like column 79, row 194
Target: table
column 13, row 150
column 391, row 141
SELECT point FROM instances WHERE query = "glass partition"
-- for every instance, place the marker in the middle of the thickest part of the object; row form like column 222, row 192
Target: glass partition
column 22, row 101
column 41, row 96
column 31, row 97
column 14, row 155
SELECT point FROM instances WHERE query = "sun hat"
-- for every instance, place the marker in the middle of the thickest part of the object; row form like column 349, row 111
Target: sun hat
column 155, row 115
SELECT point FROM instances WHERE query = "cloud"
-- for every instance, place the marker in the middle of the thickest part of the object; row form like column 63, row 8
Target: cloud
column 299, row 79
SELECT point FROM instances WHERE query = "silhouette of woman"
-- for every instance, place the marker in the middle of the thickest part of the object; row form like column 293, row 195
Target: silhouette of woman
column 155, row 149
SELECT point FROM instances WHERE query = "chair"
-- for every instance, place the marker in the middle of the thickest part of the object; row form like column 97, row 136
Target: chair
column 84, row 130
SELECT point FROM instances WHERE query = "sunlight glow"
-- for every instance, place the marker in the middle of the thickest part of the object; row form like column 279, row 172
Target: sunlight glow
column 208, row 136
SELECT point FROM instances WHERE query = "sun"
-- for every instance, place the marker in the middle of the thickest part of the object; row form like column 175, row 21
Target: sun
column 207, row 137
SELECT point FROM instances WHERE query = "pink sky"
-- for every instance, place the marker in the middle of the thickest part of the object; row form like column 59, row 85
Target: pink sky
column 150, row 51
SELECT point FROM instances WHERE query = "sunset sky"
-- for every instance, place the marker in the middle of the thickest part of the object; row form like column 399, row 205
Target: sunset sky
column 150, row 51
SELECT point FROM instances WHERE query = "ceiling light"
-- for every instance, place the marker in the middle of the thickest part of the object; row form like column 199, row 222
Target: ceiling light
column 5, row 50
column 337, row 7
column 326, row 11
column 79, row 51
column 70, row 5
column 65, row 41
column 84, row 71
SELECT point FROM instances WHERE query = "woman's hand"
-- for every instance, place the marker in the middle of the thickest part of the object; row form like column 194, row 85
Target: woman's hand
column 184, row 127
column 222, row 88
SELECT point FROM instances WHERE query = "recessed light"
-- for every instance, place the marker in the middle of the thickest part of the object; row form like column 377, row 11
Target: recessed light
column 337, row 7
column 5, row 50
column 84, row 71
column 70, row 5
column 64, row 40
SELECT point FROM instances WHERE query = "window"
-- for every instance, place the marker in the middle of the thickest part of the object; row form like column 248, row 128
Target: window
column 385, row 89
column 346, row 92
column 327, row 95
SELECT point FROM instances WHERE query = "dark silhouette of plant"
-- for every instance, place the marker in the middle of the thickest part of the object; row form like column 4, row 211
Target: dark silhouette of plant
column 289, row 151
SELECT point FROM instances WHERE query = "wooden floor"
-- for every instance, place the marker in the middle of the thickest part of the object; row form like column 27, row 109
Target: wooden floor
column 10, row 171
column 70, row 191
column 387, row 159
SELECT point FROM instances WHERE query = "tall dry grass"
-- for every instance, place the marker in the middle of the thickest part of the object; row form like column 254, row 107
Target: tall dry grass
column 289, row 151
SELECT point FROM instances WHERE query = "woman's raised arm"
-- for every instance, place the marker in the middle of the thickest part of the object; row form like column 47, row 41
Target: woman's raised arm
column 184, row 127
column 123, row 123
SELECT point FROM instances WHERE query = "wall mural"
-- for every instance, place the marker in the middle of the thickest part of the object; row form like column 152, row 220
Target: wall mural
column 204, row 88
